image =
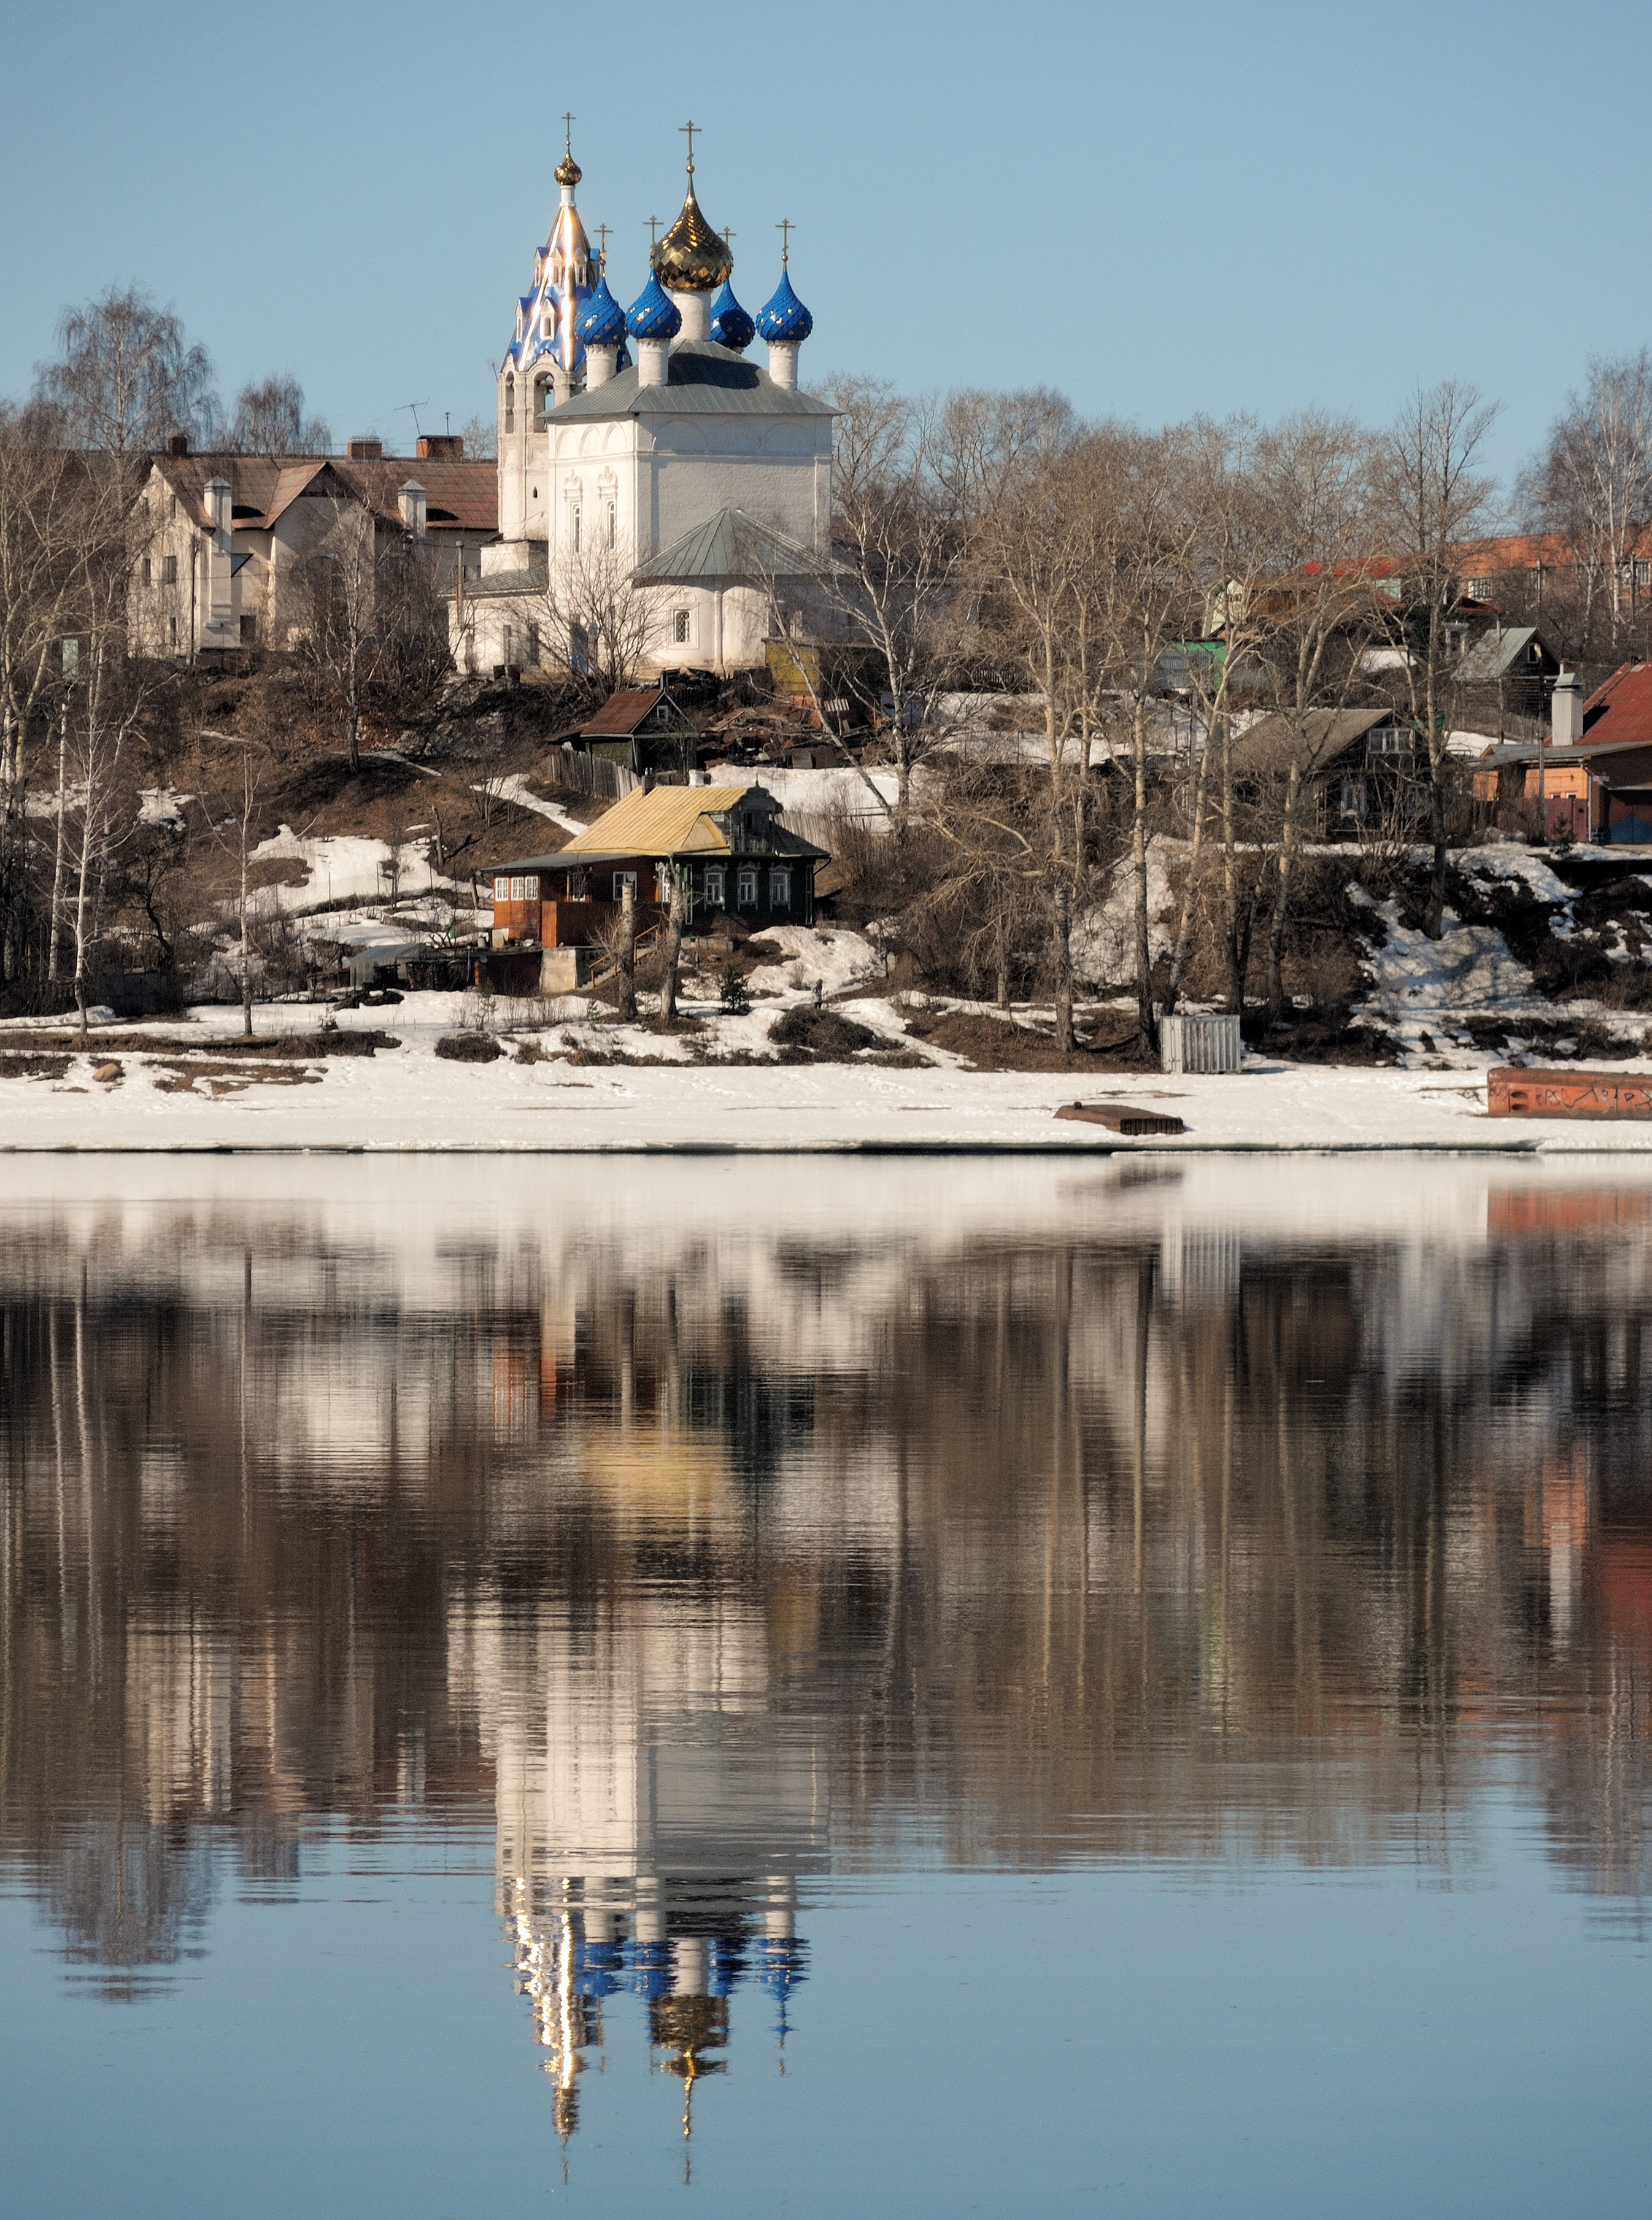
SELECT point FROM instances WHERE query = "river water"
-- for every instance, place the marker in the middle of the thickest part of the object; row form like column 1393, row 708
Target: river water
column 812, row 1687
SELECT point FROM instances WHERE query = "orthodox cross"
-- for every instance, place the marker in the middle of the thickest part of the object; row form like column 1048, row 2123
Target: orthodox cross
column 690, row 128
column 568, row 129
column 785, row 228
column 653, row 223
column 602, row 251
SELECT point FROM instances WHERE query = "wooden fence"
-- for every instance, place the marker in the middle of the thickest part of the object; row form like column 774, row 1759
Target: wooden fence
column 586, row 774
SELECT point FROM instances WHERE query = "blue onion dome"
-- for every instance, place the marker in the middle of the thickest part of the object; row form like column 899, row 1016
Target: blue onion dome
column 654, row 314
column 730, row 325
column 783, row 315
column 601, row 322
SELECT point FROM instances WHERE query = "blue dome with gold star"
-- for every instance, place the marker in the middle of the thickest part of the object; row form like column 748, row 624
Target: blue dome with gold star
column 730, row 326
column 783, row 315
column 653, row 314
column 601, row 322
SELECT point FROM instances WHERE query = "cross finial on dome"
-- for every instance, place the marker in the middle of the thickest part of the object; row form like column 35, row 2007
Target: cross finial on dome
column 602, row 251
column 785, row 228
column 568, row 171
column 653, row 223
column 690, row 127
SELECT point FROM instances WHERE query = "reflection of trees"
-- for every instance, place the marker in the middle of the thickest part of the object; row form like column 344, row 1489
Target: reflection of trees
column 1144, row 1543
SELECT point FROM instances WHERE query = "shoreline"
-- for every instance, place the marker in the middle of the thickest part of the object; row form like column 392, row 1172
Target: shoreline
column 162, row 1098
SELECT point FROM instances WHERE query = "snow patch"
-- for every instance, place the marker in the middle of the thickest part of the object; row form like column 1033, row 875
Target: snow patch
column 1469, row 967
column 514, row 789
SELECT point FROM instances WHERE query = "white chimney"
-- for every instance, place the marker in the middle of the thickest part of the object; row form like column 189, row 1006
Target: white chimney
column 415, row 501
column 219, row 611
column 1566, row 712
column 782, row 363
column 653, row 362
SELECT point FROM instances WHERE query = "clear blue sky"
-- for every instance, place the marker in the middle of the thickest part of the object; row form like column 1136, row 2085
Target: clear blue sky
column 1157, row 209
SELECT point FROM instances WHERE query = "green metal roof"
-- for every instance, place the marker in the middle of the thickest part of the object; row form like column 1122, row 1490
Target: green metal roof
column 730, row 545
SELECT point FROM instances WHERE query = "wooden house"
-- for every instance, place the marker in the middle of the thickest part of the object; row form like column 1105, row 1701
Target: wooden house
column 1593, row 780
column 739, row 867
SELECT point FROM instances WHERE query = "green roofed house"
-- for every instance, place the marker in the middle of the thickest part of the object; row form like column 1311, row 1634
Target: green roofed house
column 739, row 868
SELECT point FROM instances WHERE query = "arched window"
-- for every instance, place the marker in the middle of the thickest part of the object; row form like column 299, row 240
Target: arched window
column 576, row 526
column 510, row 403
column 613, row 522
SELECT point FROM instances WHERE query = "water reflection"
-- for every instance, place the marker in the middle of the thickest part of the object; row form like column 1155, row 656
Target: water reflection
column 710, row 1538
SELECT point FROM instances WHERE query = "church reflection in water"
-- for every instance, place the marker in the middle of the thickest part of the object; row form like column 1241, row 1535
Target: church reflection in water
column 651, row 1827
column 706, row 1558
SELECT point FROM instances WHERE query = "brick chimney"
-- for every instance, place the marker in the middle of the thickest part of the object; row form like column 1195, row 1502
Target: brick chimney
column 178, row 444
column 365, row 451
column 441, row 446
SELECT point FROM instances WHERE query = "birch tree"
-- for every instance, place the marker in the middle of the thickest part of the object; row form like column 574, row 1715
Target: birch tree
column 1433, row 496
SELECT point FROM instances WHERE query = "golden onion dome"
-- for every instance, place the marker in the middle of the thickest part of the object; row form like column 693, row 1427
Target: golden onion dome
column 568, row 171
column 692, row 258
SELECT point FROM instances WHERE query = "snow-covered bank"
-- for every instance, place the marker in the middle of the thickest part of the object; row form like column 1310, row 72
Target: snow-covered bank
column 408, row 1099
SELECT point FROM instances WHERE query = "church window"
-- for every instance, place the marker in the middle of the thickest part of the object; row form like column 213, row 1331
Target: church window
column 169, row 569
column 681, row 623
column 534, row 644
column 575, row 522
column 507, row 638
column 510, row 404
column 146, row 571
column 613, row 522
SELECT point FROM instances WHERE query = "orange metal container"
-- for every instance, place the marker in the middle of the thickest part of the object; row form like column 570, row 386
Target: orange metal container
column 1567, row 1093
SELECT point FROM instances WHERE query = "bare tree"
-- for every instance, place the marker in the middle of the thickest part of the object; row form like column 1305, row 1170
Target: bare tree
column 896, row 580
column 481, row 437
column 127, row 375
column 1433, row 496
column 374, row 627
column 269, row 420
column 1593, row 483
column 1317, row 482
column 587, row 612
column 232, row 814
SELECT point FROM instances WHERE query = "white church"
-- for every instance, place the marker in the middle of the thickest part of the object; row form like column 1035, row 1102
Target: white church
column 653, row 484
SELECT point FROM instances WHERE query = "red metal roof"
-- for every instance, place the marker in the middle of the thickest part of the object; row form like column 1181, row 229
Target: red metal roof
column 620, row 714
column 1621, row 710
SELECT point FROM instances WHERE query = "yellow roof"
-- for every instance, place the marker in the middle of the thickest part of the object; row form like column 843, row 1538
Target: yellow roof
column 663, row 822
